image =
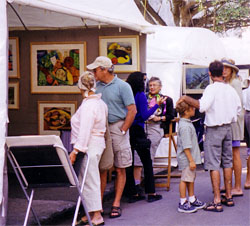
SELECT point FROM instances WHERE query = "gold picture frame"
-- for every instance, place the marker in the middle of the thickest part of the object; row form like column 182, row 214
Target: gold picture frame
column 13, row 58
column 54, row 116
column 13, row 95
column 56, row 66
column 122, row 50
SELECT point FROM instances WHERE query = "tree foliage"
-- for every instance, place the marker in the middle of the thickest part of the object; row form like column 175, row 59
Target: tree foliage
column 217, row 15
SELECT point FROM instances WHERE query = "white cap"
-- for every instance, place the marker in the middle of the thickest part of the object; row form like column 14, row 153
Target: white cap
column 100, row 61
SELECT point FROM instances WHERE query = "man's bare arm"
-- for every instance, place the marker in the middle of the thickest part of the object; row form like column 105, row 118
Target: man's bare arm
column 190, row 101
column 130, row 117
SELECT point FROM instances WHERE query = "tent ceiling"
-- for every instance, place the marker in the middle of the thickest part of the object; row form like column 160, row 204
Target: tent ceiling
column 76, row 13
column 188, row 45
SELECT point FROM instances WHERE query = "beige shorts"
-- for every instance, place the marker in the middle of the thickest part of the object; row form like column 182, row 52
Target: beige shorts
column 121, row 145
column 188, row 175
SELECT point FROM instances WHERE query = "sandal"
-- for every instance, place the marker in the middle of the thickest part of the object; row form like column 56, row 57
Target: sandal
column 214, row 207
column 116, row 211
column 227, row 201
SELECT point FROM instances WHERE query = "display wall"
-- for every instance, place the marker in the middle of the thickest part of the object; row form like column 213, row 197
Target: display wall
column 24, row 119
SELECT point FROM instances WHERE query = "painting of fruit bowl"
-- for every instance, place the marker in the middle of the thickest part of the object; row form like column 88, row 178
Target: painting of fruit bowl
column 55, row 68
column 55, row 116
column 122, row 50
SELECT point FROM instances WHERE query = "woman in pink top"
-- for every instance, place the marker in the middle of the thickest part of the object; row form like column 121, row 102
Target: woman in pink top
column 88, row 126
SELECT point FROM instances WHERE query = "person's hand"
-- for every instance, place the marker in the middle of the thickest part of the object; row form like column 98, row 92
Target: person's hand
column 192, row 165
column 182, row 98
column 72, row 157
column 161, row 100
column 157, row 118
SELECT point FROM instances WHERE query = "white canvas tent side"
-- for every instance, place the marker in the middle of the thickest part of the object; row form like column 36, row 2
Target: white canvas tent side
column 169, row 47
column 56, row 14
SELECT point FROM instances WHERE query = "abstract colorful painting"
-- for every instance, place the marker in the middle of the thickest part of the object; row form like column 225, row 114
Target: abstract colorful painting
column 122, row 50
column 55, row 116
column 55, row 68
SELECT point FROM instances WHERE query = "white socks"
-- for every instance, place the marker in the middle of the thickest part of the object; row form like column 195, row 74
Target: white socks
column 191, row 198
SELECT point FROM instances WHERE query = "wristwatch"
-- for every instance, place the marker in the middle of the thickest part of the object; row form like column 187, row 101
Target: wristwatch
column 123, row 132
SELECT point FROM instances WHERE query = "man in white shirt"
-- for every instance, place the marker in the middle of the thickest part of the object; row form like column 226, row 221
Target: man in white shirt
column 246, row 105
column 221, row 104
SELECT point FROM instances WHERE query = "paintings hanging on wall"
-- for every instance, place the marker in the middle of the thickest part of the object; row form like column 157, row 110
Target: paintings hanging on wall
column 56, row 67
column 195, row 79
column 55, row 116
column 122, row 50
column 13, row 95
column 13, row 58
column 244, row 74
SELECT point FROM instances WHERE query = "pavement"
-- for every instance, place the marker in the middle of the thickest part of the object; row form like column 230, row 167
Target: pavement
column 55, row 206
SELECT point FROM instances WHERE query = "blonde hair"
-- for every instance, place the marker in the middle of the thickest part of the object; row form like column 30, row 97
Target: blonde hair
column 233, row 71
column 87, row 81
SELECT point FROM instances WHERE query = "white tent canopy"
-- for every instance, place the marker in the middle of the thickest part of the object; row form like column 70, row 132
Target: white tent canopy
column 169, row 47
column 76, row 13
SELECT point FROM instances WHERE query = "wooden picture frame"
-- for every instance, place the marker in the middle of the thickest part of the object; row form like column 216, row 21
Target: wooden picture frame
column 13, row 58
column 195, row 79
column 122, row 50
column 13, row 95
column 54, row 116
column 56, row 66
column 244, row 74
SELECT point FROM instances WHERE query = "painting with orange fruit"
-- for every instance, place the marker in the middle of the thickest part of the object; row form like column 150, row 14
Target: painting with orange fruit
column 55, row 67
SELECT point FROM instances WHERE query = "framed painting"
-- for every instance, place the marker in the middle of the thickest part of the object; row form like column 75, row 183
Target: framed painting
column 122, row 50
column 54, row 116
column 195, row 79
column 13, row 58
column 244, row 74
column 55, row 67
column 13, row 95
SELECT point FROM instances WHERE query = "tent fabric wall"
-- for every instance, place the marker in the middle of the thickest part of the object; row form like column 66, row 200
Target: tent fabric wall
column 3, row 105
column 64, row 13
column 169, row 47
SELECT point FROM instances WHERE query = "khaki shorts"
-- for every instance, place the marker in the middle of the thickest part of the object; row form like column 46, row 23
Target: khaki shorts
column 188, row 175
column 121, row 145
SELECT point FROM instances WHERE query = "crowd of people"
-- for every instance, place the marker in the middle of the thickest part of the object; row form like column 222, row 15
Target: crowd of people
column 118, row 124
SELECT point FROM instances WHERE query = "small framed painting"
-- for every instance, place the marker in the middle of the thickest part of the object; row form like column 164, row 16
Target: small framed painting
column 56, row 67
column 13, row 58
column 122, row 50
column 13, row 95
column 195, row 79
column 55, row 116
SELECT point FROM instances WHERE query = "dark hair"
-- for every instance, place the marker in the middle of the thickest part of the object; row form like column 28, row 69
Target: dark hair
column 216, row 68
column 136, row 81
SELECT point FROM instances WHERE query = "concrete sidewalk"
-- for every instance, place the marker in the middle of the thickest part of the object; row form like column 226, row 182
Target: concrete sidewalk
column 55, row 206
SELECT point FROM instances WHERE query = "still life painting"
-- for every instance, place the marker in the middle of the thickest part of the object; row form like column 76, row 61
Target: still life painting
column 55, row 116
column 55, row 67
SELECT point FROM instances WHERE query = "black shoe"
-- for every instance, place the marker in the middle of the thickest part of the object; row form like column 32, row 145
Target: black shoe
column 139, row 190
column 136, row 198
column 153, row 198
